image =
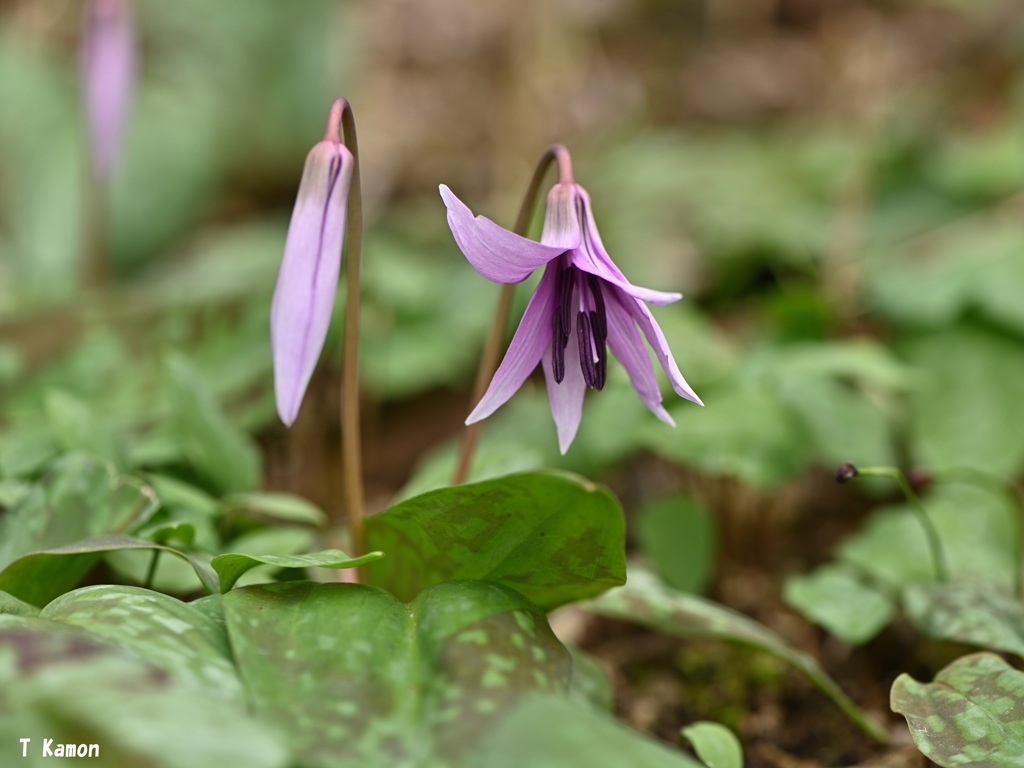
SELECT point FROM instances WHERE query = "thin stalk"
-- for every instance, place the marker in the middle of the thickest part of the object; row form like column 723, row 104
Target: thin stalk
column 558, row 154
column 351, row 441
column 934, row 543
column 151, row 571
column 95, row 266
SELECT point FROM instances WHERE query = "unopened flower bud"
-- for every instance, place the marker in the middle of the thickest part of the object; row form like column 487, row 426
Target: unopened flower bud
column 846, row 472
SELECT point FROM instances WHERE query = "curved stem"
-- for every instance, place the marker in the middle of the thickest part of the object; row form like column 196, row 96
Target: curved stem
column 558, row 154
column 934, row 543
column 351, row 441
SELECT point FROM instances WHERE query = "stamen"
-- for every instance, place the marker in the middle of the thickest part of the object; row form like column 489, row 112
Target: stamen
column 563, row 289
column 557, row 348
column 584, row 337
column 599, row 324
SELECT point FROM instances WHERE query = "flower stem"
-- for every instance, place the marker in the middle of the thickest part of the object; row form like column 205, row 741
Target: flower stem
column 351, row 442
column 934, row 543
column 558, row 154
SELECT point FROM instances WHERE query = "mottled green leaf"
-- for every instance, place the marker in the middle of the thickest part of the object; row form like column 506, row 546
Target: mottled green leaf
column 232, row 565
column 834, row 597
column 70, row 685
column 165, row 632
column 551, row 536
column 971, row 715
column 550, row 732
column 715, row 745
column 12, row 606
column 358, row 677
column 968, row 612
column 39, row 577
column 647, row 601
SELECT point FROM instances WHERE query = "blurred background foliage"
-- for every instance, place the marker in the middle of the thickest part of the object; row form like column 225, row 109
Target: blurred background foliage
column 835, row 185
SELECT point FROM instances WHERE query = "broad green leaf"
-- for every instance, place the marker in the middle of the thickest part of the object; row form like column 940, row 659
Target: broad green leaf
column 231, row 566
column 67, row 684
column 552, row 536
column 224, row 455
column 357, row 677
column 971, row 715
column 165, row 632
column 78, row 429
column 968, row 409
column 590, row 682
column 551, row 732
column 42, row 576
column 968, row 612
column 715, row 745
column 78, row 498
column 748, row 434
column 978, row 533
column 836, row 599
column 677, row 535
column 648, row 602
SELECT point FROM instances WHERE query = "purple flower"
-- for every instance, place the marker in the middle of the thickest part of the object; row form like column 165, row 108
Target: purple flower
column 308, row 280
column 108, row 78
column 583, row 306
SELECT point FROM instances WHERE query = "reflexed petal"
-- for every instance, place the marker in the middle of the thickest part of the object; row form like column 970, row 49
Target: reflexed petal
column 592, row 257
column 643, row 317
column 566, row 398
column 107, row 61
column 531, row 339
column 308, row 280
column 561, row 218
column 497, row 254
column 628, row 348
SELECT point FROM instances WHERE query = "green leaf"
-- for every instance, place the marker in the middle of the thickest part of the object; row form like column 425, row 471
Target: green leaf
column 165, row 632
column 356, row 677
column 78, row 498
column 232, row 565
column 286, row 507
column 41, row 576
column 677, row 535
column 968, row 612
column 12, row 606
column 78, row 429
column 220, row 452
column 836, row 599
column 715, row 745
column 550, row 732
column 646, row 601
column 968, row 410
column 748, row 434
column 978, row 532
column 971, row 715
column 137, row 714
column 551, row 536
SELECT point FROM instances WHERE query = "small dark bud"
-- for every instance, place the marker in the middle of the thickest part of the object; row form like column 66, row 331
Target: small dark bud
column 846, row 472
column 920, row 479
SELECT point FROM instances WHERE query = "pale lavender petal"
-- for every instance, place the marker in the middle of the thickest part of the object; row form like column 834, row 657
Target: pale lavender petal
column 308, row 280
column 628, row 347
column 643, row 317
column 592, row 257
column 566, row 397
column 107, row 61
column 529, row 344
column 497, row 254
